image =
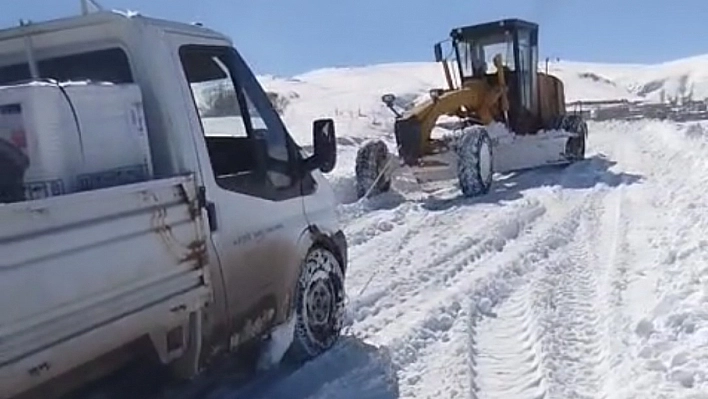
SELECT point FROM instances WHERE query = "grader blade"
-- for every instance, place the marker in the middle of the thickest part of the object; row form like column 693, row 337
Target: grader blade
column 530, row 151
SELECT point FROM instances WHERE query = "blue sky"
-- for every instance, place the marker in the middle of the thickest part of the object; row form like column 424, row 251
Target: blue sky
column 287, row 37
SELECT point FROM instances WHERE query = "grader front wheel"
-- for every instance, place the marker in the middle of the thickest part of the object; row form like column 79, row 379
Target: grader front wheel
column 373, row 169
column 474, row 161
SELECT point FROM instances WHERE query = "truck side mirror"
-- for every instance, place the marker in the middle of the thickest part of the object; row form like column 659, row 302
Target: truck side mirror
column 325, row 145
column 389, row 99
column 438, row 52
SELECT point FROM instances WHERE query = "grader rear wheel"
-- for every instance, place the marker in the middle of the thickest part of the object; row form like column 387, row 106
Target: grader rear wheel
column 575, row 147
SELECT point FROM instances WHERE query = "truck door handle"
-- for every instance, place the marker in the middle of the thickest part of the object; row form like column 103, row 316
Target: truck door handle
column 210, row 208
column 211, row 215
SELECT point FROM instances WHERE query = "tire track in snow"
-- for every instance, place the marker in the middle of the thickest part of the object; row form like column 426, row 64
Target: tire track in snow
column 383, row 222
column 491, row 237
column 508, row 351
column 611, row 261
column 570, row 327
column 443, row 332
column 655, row 349
column 515, row 356
column 618, row 253
column 573, row 293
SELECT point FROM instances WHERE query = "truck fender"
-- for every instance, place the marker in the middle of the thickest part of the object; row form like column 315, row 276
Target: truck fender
column 334, row 241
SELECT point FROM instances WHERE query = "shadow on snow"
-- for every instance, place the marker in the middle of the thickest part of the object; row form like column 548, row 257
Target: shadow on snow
column 352, row 369
column 586, row 174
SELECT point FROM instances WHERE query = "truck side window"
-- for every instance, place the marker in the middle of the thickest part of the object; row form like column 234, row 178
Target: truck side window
column 108, row 65
column 234, row 128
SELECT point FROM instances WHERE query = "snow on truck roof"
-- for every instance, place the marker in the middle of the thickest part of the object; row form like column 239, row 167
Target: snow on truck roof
column 106, row 17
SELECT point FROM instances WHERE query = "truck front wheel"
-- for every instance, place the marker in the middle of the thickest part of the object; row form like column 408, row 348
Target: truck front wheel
column 320, row 302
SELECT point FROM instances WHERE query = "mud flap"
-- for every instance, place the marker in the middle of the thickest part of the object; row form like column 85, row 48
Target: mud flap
column 187, row 366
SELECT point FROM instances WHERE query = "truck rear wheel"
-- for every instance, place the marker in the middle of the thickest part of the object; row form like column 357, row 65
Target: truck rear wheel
column 474, row 161
column 319, row 308
column 371, row 159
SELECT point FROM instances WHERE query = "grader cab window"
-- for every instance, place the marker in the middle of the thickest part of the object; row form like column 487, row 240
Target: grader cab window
column 476, row 55
column 528, row 55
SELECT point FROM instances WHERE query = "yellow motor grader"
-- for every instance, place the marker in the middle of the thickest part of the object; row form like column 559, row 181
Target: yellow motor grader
column 506, row 115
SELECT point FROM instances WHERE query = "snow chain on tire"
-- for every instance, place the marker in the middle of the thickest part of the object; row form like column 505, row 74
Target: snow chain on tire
column 371, row 159
column 469, row 146
column 320, row 305
column 575, row 147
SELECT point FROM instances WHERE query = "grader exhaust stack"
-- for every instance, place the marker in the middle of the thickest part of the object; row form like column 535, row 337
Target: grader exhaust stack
column 511, row 116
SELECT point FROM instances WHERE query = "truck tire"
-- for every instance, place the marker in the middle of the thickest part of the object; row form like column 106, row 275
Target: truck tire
column 575, row 147
column 474, row 161
column 370, row 162
column 319, row 305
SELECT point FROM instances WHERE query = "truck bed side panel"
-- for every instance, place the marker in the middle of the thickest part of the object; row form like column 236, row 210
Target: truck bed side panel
column 76, row 263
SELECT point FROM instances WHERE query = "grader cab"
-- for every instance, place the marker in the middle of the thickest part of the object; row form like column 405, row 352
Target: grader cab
column 497, row 95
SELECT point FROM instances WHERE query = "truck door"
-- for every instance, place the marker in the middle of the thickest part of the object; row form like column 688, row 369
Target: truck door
column 249, row 167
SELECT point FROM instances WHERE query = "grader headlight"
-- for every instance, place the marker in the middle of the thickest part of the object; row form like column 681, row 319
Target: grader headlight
column 435, row 94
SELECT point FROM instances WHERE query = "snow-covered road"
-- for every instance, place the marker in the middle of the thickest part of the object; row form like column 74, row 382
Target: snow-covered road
column 586, row 281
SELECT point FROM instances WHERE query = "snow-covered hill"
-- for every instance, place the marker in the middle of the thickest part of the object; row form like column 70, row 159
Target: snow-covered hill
column 353, row 95
column 675, row 78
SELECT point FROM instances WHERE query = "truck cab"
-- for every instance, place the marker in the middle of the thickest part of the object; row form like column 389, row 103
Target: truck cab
column 266, row 212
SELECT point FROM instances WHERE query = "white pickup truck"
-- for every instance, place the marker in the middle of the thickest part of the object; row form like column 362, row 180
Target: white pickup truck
column 231, row 238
